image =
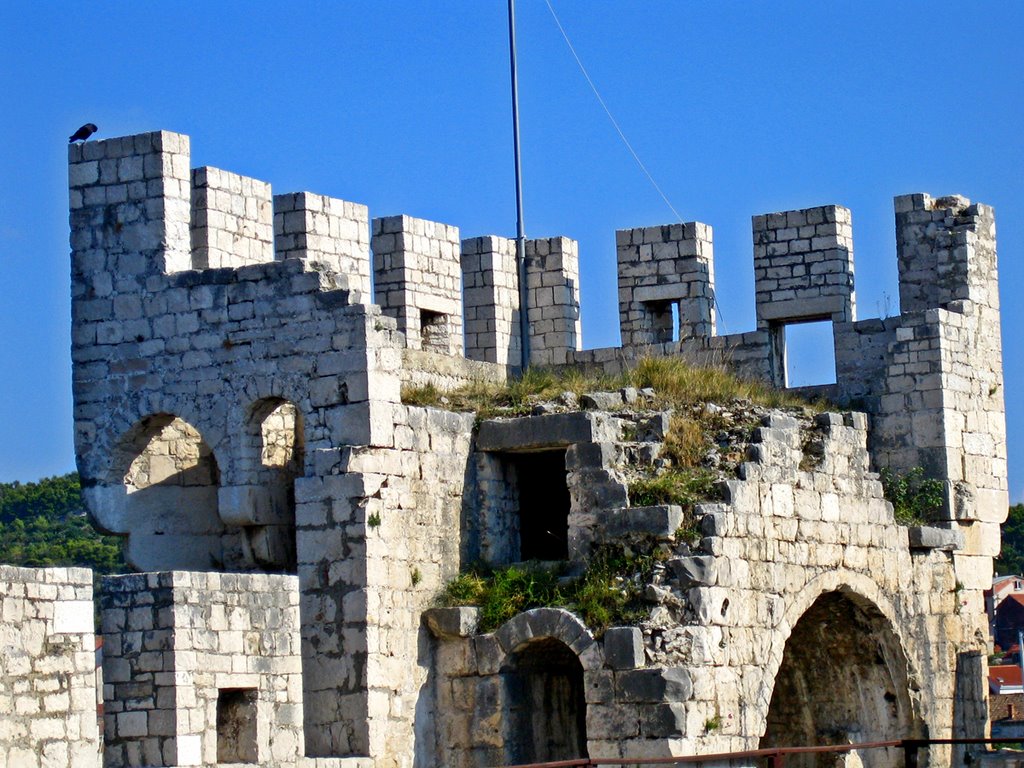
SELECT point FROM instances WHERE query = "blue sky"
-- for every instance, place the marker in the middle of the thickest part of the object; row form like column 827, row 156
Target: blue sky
column 736, row 109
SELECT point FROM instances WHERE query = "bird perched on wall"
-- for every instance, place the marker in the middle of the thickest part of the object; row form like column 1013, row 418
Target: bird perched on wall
column 83, row 133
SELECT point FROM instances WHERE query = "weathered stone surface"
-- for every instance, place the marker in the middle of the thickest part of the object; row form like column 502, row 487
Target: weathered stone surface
column 202, row 634
column 694, row 571
column 601, row 401
column 532, row 432
column 238, row 408
column 452, row 622
column 662, row 521
column 47, row 668
column 654, row 685
column 930, row 537
column 623, row 647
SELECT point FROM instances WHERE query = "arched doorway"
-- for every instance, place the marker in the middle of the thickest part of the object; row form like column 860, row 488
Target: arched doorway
column 844, row 679
column 545, row 705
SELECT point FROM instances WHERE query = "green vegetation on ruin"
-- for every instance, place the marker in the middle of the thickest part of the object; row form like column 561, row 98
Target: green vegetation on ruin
column 676, row 383
column 703, row 445
column 608, row 593
column 916, row 499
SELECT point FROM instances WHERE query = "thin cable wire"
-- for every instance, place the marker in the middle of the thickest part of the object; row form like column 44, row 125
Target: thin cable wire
column 608, row 112
column 622, row 136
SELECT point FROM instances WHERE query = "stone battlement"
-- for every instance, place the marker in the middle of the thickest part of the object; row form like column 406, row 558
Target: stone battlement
column 238, row 361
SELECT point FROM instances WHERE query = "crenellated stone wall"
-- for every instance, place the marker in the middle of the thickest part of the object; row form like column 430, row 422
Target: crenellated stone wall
column 239, row 417
column 47, row 669
column 200, row 669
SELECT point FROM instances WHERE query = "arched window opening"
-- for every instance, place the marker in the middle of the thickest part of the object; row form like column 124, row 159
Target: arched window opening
column 277, row 430
column 843, row 679
column 545, row 705
column 168, row 503
column 167, row 451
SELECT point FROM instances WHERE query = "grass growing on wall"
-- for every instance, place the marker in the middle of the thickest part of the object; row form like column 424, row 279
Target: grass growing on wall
column 611, row 590
column 608, row 593
column 916, row 499
column 675, row 382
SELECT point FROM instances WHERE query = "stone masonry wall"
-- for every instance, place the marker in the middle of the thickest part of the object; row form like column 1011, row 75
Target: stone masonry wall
column 47, row 669
column 803, row 265
column 553, row 278
column 201, row 668
column 936, row 396
column 418, row 280
column 392, row 510
column 154, row 341
column 801, row 530
column 232, row 220
column 490, row 282
column 660, row 267
column 328, row 231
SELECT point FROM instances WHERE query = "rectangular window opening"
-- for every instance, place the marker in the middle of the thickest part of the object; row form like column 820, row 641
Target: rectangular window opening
column 663, row 317
column 236, row 725
column 434, row 330
column 809, row 353
column 544, row 504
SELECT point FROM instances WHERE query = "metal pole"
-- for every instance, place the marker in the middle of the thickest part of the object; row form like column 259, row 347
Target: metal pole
column 1020, row 655
column 524, row 309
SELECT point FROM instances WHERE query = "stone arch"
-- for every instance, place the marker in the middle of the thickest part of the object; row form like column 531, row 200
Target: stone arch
column 547, row 654
column 272, row 457
column 842, row 675
column 160, row 489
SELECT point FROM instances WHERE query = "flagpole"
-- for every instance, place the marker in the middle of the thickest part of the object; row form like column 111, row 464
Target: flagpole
column 524, row 319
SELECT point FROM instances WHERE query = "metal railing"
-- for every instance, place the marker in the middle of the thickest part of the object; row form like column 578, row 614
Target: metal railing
column 775, row 757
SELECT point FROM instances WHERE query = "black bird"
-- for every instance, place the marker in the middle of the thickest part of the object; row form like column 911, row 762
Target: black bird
column 83, row 133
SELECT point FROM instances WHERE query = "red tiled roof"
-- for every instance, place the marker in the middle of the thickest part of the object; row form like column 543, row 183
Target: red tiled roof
column 1005, row 674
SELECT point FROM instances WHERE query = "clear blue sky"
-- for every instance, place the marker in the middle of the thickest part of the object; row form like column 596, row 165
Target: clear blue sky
column 736, row 108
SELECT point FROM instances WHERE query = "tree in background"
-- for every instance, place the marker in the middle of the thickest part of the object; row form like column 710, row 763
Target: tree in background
column 1011, row 558
column 44, row 524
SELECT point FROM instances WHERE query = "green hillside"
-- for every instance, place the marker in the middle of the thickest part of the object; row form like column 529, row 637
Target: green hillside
column 44, row 523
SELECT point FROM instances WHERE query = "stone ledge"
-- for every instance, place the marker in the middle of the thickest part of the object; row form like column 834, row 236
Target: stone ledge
column 662, row 520
column 931, row 537
column 335, row 762
column 446, row 623
column 532, row 432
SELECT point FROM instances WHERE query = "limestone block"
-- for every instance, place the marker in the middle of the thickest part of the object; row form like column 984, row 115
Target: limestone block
column 623, row 647
column 452, row 622
column 601, row 401
column 662, row 721
column 73, row 617
column 930, row 537
column 533, row 432
column 662, row 521
column 653, row 685
column 694, row 570
column 612, row 722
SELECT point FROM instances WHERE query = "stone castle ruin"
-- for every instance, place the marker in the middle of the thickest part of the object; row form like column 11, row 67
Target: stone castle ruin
column 239, row 359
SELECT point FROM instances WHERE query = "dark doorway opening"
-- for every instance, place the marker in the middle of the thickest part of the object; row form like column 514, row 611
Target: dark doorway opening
column 236, row 725
column 544, row 504
column 547, row 711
